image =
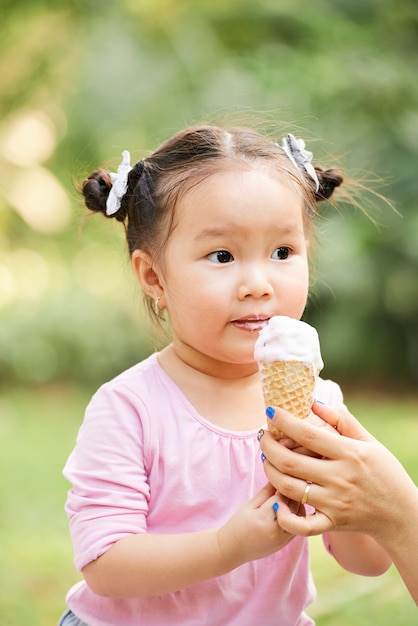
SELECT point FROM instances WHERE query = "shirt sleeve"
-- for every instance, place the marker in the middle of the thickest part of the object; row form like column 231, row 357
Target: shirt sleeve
column 110, row 493
column 329, row 392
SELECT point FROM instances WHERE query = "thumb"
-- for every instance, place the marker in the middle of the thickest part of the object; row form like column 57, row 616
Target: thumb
column 304, row 525
column 262, row 496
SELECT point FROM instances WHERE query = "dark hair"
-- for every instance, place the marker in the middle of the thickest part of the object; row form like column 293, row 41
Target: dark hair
column 156, row 183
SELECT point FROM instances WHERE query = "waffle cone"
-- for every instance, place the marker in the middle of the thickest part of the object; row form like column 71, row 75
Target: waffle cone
column 288, row 385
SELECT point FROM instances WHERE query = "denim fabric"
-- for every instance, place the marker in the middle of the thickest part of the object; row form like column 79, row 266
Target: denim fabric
column 69, row 619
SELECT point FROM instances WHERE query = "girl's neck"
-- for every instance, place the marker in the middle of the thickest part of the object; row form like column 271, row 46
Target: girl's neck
column 208, row 371
column 231, row 399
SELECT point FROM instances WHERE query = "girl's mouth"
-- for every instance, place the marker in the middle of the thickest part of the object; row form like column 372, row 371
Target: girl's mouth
column 252, row 323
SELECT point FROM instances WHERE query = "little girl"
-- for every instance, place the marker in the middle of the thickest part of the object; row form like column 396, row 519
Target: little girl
column 172, row 518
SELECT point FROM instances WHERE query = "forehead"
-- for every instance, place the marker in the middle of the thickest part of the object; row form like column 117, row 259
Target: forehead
column 229, row 194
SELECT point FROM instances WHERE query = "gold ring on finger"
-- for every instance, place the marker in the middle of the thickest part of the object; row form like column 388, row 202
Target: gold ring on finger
column 306, row 492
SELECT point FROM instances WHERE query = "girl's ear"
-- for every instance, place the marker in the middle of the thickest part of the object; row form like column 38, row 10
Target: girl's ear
column 146, row 274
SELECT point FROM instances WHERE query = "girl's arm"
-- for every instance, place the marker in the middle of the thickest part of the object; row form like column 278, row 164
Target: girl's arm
column 359, row 553
column 146, row 565
column 358, row 487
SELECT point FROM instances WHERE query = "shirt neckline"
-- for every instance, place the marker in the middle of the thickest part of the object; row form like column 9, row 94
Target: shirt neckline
column 236, row 434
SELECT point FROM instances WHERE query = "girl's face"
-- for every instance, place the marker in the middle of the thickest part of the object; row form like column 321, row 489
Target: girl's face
column 237, row 255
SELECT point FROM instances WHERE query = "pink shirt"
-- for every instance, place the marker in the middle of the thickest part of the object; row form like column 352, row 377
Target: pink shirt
column 146, row 461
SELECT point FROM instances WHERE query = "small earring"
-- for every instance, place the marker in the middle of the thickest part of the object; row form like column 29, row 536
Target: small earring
column 157, row 308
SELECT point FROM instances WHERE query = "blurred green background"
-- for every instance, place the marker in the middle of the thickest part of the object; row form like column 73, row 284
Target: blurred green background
column 82, row 80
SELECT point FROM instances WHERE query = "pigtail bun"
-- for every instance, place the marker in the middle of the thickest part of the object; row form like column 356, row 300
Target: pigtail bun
column 96, row 189
column 328, row 181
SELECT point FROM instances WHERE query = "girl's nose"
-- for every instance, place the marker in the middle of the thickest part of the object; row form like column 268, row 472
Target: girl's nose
column 254, row 283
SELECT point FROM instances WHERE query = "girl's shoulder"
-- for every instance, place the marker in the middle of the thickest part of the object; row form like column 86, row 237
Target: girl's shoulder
column 135, row 374
column 328, row 392
column 129, row 402
column 139, row 385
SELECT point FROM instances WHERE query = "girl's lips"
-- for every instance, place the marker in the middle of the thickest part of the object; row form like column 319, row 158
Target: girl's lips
column 252, row 323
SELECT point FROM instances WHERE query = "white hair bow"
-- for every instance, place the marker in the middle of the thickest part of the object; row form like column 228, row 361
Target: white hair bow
column 301, row 158
column 119, row 186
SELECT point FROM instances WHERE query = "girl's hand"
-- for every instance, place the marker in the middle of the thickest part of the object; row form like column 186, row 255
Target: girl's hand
column 253, row 531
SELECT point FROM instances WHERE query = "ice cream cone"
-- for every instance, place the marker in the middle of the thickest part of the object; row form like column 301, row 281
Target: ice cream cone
column 288, row 385
column 289, row 359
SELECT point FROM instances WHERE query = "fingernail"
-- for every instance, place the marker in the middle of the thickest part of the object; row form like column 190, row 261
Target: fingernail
column 260, row 434
column 275, row 507
column 319, row 402
column 270, row 412
column 263, row 457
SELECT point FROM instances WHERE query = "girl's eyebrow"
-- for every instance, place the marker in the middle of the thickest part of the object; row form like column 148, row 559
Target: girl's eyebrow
column 214, row 233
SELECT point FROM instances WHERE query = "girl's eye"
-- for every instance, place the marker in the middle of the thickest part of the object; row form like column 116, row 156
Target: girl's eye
column 221, row 256
column 281, row 253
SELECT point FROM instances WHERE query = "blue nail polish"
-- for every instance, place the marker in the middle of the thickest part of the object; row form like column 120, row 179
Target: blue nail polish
column 260, row 434
column 319, row 402
column 270, row 412
column 263, row 457
column 275, row 507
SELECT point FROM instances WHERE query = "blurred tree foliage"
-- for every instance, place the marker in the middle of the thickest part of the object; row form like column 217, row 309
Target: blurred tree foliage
column 82, row 80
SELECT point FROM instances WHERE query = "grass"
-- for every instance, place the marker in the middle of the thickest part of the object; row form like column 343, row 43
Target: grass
column 37, row 432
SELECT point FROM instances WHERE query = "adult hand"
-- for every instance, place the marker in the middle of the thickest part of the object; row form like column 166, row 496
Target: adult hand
column 356, row 483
